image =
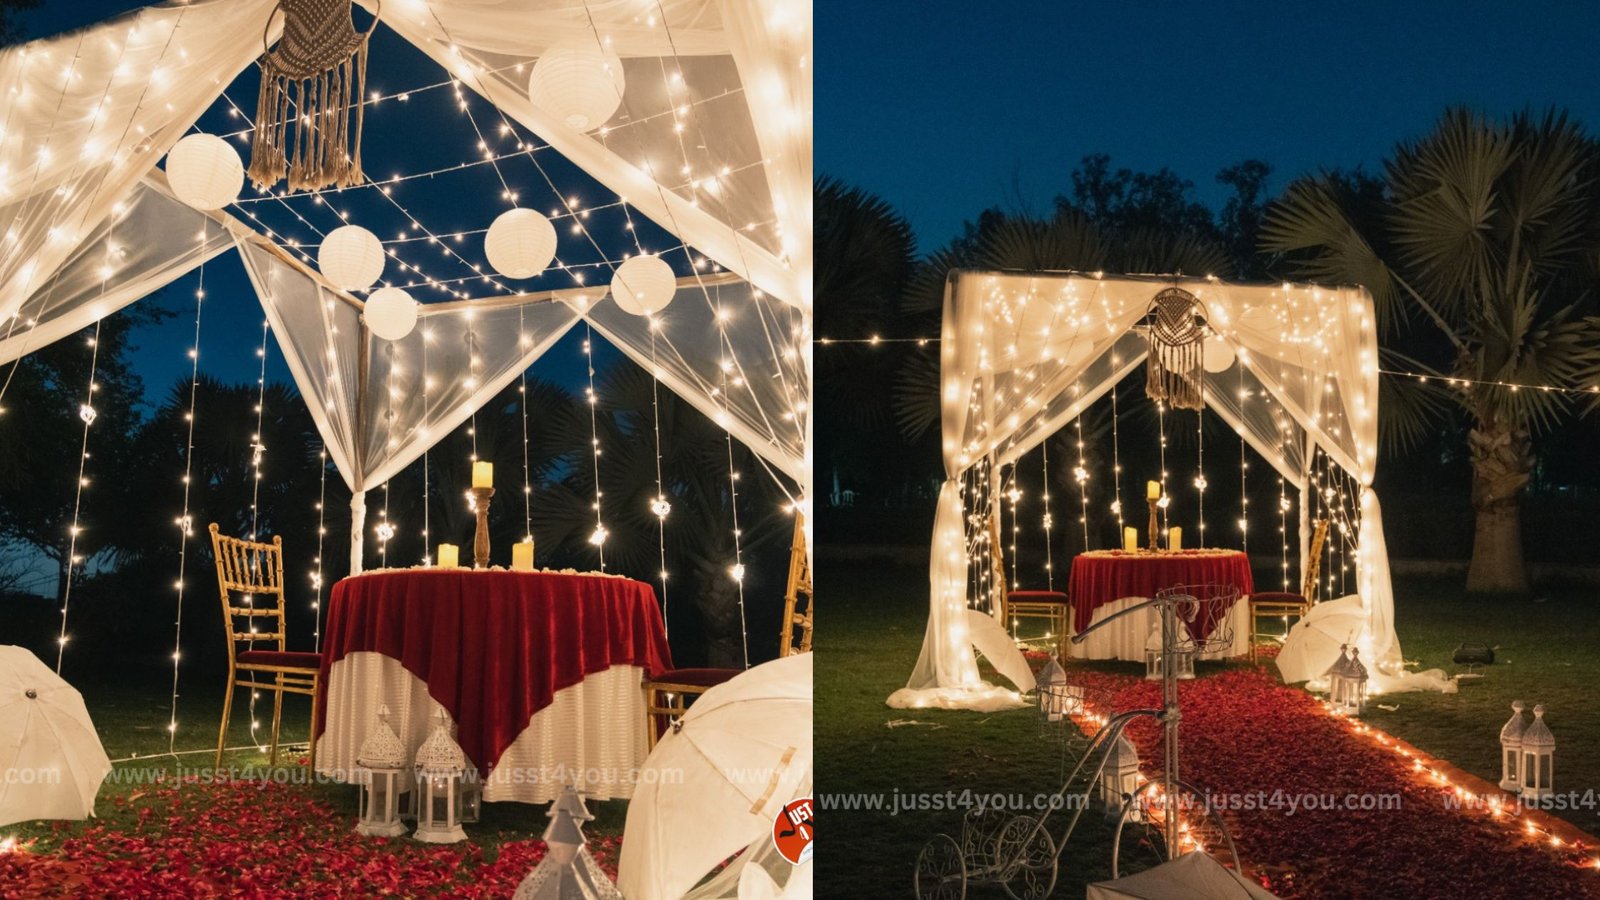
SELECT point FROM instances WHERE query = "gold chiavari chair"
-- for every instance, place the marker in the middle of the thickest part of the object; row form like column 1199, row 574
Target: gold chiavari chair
column 248, row 573
column 1275, row 604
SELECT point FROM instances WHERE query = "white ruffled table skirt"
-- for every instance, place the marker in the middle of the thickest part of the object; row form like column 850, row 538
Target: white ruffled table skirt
column 1126, row 637
column 592, row 734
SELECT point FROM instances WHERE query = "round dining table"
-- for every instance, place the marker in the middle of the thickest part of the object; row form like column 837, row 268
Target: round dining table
column 539, row 673
column 1105, row 582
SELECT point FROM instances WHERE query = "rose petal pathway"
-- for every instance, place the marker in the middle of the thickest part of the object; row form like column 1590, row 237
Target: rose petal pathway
column 1244, row 734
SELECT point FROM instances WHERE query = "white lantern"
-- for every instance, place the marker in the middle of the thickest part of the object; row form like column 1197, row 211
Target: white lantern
column 441, row 770
column 644, row 285
column 1051, row 685
column 1334, row 677
column 1152, row 653
column 579, row 85
column 390, row 313
column 1119, row 778
column 1511, row 747
column 1215, row 354
column 381, row 774
column 520, row 243
column 1355, row 685
column 1537, row 774
column 205, row 171
column 351, row 257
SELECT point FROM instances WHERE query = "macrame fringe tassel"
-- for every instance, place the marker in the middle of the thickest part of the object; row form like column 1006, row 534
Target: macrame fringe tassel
column 323, row 150
column 1174, row 376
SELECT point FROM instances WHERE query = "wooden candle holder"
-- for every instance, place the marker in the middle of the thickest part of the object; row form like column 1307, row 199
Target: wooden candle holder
column 480, row 541
column 1154, row 543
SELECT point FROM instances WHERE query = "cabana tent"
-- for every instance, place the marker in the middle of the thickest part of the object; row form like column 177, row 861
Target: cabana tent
column 89, row 225
column 1023, row 354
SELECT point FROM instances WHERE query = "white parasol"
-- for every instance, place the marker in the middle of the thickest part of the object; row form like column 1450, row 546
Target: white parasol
column 51, row 761
column 718, row 779
column 1314, row 641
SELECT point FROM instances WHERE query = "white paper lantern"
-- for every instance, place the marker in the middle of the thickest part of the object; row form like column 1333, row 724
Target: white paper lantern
column 581, row 86
column 205, row 171
column 1216, row 355
column 644, row 285
column 520, row 243
column 351, row 257
column 390, row 313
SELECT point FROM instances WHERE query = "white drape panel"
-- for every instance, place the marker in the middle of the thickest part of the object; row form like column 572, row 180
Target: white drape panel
column 88, row 113
column 115, row 265
column 319, row 333
column 592, row 733
column 380, row 404
column 715, row 191
column 720, row 331
column 1023, row 353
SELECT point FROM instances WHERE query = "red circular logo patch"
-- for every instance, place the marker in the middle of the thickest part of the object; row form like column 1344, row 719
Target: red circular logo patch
column 792, row 830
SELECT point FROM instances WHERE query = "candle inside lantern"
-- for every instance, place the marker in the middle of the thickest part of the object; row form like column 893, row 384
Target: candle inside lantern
column 1130, row 538
column 1152, row 490
column 522, row 556
column 482, row 474
column 1175, row 538
column 449, row 556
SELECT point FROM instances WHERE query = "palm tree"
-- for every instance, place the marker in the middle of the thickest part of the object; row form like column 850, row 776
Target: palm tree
column 1488, row 235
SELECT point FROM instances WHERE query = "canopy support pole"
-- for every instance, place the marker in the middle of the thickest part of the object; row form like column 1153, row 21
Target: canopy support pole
column 358, row 524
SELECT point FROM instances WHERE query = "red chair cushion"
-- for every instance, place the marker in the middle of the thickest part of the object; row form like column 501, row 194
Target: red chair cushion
column 696, row 677
column 1038, row 597
column 289, row 658
column 1276, row 597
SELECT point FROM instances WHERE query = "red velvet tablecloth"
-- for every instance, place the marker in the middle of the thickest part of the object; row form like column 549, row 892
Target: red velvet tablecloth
column 494, row 646
column 1106, row 576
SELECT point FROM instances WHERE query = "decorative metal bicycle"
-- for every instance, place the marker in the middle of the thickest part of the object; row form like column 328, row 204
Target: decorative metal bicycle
column 1019, row 853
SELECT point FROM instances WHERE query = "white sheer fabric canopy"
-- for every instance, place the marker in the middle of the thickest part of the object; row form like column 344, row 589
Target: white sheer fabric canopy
column 1024, row 354
column 712, row 142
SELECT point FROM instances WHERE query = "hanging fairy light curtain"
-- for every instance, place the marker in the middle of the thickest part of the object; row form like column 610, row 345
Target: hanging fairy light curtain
column 310, row 112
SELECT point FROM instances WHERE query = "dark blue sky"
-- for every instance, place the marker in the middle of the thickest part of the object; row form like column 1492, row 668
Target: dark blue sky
column 941, row 107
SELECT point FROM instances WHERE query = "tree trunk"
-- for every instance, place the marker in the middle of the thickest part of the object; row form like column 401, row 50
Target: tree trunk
column 1501, row 466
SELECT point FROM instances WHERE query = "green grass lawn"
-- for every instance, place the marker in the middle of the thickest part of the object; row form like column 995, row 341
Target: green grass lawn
column 131, row 719
column 1548, row 652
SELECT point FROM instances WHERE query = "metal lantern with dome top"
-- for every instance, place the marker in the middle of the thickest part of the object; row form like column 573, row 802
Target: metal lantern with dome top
column 1119, row 779
column 441, row 769
column 1537, row 774
column 1511, row 747
column 381, row 774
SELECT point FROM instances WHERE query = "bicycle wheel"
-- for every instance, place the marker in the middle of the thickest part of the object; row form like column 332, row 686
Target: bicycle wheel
column 941, row 872
column 1028, row 855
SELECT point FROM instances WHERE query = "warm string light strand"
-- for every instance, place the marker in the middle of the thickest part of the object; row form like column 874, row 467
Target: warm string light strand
column 660, row 506
column 598, row 537
column 258, row 450
column 1081, row 475
column 86, row 412
column 1048, row 520
column 184, row 523
column 322, row 532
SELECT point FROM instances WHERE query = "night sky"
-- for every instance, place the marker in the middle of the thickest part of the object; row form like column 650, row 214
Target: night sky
column 945, row 108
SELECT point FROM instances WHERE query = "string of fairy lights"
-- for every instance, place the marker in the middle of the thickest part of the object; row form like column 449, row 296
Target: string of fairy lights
column 184, row 522
column 87, row 413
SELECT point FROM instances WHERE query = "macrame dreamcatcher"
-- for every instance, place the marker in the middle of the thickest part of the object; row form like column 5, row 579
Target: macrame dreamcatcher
column 308, row 120
column 1177, row 344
